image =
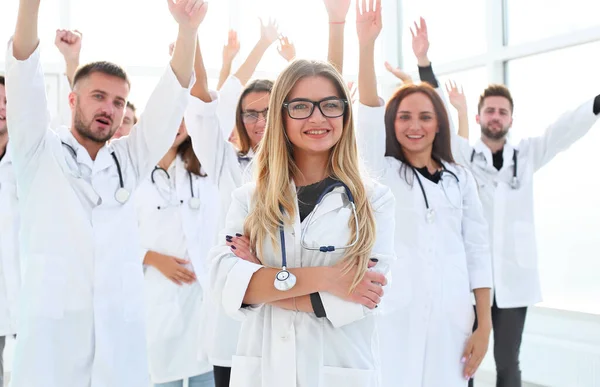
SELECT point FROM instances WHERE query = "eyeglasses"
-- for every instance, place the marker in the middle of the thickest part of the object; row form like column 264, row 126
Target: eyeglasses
column 251, row 116
column 330, row 107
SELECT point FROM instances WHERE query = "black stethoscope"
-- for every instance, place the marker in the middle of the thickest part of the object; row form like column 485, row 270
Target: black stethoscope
column 284, row 280
column 121, row 194
column 430, row 214
column 514, row 182
column 194, row 202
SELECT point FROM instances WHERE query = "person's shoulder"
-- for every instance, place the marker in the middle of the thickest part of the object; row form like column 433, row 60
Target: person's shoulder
column 379, row 194
column 244, row 192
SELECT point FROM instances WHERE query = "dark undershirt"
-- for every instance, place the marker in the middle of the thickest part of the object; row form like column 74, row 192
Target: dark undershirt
column 307, row 200
column 498, row 159
column 2, row 155
column 435, row 177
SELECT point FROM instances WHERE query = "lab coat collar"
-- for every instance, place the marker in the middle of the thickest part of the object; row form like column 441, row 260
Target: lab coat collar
column 332, row 201
column 103, row 158
column 507, row 153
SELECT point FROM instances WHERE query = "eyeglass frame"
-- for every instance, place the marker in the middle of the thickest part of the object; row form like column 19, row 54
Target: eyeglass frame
column 262, row 113
column 317, row 104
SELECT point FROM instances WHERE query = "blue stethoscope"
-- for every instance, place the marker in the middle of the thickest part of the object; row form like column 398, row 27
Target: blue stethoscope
column 514, row 181
column 430, row 214
column 194, row 202
column 121, row 194
column 284, row 280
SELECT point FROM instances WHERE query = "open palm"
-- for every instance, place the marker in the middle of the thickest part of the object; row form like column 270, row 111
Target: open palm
column 420, row 39
column 368, row 22
column 337, row 9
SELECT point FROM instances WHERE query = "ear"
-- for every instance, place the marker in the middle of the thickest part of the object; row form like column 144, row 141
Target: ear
column 477, row 119
column 72, row 100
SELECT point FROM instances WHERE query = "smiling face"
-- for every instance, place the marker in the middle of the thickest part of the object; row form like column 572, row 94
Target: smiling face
column 316, row 133
column 416, row 124
column 254, row 113
column 98, row 104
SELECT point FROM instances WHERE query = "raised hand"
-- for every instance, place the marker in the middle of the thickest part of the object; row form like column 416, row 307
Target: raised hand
column 269, row 32
column 353, row 89
column 420, row 42
column 232, row 48
column 69, row 44
column 368, row 22
column 188, row 13
column 456, row 96
column 398, row 73
column 337, row 10
column 286, row 49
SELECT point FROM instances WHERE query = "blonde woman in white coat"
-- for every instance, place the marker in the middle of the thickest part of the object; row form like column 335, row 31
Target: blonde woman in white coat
column 176, row 208
column 441, row 236
column 306, row 179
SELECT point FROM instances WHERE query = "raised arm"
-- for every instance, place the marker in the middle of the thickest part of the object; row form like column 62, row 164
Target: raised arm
column 286, row 49
column 404, row 77
column 268, row 35
column 230, row 51
column 25, row 39
column 69, row 45
column 337, row 10
column 200, row 88
column 459, row 101
column 188, row 14
column 368, row 27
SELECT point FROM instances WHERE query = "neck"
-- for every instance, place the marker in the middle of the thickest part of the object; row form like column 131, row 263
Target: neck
column 3, row 142
column 92, row 147
column 422, row 159
column 166, row 161
column 494, row 145
column 313, row 168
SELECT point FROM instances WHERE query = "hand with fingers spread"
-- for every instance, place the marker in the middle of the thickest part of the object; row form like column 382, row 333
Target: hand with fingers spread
column 69, row 44
column 171, row 267
column 368, row 21
column 456, row 96
column 420, row 42
column 368, row 292
column 337, row 10
column 240, row 246
column 269, row 32
column 398, row 73
column 475, row 351
column 188, row 13
column 232, row 48
column 286, row 49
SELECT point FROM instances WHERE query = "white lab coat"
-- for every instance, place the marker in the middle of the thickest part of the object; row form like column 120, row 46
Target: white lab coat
column 82, row 313
column 282, row 348
column 10, row 272
column 509, row 212
column 438, row 265
column 169, row 226
column 209, row 125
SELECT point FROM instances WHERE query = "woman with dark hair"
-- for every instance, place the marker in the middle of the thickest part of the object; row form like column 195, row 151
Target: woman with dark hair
column 176, row 212
column 441, row 235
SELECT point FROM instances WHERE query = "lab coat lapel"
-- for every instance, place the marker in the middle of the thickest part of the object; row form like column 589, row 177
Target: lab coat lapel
column 332, row 201
column 482, row 149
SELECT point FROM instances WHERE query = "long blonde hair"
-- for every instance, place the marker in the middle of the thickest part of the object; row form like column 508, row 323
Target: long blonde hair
column 275, row 167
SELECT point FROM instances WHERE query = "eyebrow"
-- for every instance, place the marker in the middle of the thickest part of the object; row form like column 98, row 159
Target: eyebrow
column 105, row 93
column 406, row 111
column 299, row 99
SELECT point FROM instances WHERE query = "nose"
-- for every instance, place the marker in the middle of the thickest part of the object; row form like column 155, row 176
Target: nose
column 316, row 115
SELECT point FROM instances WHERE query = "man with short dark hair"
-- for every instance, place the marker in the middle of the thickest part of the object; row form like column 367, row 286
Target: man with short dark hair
column 504, row 174
column 10, row 275
column 81, row 321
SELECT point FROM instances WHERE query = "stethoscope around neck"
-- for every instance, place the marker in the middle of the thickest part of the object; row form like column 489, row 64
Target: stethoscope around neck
column 194, row 202
column 430, row 212
column 514, row 181
column 284, row 280
column 121, row 194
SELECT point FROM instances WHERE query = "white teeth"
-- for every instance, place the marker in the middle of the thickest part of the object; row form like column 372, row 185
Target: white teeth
column 316, row 131
column 414, row 136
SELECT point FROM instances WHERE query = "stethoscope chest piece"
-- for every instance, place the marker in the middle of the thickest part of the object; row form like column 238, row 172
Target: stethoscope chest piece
column 194, row 203
column 430, row 216
column 122, row 195
column 284, row 280
column 514, row 183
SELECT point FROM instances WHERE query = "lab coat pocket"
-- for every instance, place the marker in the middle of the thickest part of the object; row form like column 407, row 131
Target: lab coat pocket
column 246, row 371
column 347, row 377
column 53, row 282
column 525, row 250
